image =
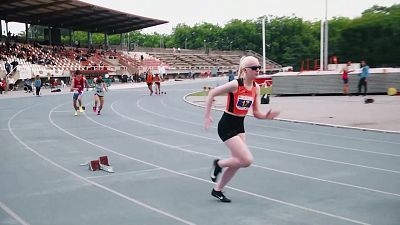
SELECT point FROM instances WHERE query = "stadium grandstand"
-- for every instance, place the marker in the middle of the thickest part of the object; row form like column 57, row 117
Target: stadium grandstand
column 53, row 59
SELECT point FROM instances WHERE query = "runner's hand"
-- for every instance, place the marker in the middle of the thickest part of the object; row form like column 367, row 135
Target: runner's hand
column 271, row 114
column 207, row 122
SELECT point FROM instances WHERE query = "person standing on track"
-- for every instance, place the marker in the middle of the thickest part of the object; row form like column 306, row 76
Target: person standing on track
column 345, row 77
column 157, row 81
column 243, row 93
column 363, row 77
column 99, row 91
column 77, row 86
column 38, row 85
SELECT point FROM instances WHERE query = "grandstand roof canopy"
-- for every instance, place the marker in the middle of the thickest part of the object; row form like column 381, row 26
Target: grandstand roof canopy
column 73, row 14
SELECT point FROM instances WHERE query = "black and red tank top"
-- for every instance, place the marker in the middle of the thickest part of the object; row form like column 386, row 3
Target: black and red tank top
column 239, row 102
column 79, row 84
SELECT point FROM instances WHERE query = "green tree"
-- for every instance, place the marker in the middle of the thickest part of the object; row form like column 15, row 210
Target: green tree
column 374, row 36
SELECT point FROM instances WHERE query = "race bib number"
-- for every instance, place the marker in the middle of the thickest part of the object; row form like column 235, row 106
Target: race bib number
column 244, row 102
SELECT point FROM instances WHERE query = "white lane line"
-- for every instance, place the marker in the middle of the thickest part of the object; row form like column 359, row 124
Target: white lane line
column 324, row 145
column 329, row 134
column 290, row 129
column 112, row 191
column 12, row 214
column 308, row 122
column 133, row 172
column 311, row 157
column 197, row 178
column 64, row 111
column 285, row 139
column 185, row 146
column 314, row 143
column 214, row 156
column 251, row 146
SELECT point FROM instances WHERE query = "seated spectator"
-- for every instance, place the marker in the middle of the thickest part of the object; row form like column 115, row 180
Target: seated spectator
column 11, row 82
column 28, row 86
column 3, row 86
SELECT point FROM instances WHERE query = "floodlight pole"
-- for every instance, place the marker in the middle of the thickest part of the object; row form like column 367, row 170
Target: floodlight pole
column 263, row 43
column 326, row 37
column 321, row 55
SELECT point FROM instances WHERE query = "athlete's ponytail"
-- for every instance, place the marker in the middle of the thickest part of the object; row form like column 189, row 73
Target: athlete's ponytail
column 241, row 67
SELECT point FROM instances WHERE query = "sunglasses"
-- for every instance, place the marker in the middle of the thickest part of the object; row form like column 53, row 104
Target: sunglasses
column 254, row 67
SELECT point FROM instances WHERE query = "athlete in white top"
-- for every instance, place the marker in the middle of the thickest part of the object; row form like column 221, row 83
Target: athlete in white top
column 99, row 91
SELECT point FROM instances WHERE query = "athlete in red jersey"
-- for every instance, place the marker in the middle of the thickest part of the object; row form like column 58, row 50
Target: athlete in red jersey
column 345, row 77
column 149, row 81
column 78, row 84
column 243, row 93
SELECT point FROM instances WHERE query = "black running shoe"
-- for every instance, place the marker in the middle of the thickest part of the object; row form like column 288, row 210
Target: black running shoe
column 215, row 170
column 220, row 196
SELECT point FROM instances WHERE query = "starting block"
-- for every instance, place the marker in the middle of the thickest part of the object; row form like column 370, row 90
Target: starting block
column 94, row 165
column 104, row 160
column 99, row 164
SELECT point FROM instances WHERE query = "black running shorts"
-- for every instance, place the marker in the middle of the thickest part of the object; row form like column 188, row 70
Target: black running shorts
column 230, row 126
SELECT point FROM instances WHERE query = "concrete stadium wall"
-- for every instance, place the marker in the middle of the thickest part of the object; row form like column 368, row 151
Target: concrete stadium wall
column 331, row 83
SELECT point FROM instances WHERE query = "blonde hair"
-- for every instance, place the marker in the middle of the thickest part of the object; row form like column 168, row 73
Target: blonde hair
column 244, row 61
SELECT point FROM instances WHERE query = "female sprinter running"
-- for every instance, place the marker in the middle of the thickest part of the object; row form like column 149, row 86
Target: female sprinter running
column 243, row 93
column 149, row 81
column 99, row 92
column 157, row 81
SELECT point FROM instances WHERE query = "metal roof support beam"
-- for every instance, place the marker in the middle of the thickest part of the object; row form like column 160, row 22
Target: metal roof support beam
column 70, row 37
column 33, row 7
column 120, row 30
column 104, row 21
column 129, row 43
column 90, row 39
column 1, row 31
column 111, row 26
column 129, row 27
column 7, row 28
column 106, row 41
column 49, row 35
column 26, row 33
column 10, row 1
column 73, row 14
column 120, row 40
column 70, row 20
column 56, row 15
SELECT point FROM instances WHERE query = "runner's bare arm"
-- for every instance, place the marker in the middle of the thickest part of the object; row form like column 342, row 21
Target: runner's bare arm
column 72, row 86
column 223, row 89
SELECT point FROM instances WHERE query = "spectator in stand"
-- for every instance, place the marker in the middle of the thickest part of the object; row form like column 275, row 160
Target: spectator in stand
column 7, row 66
column 11, row 82
column 28, row 85
column 3, row 85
